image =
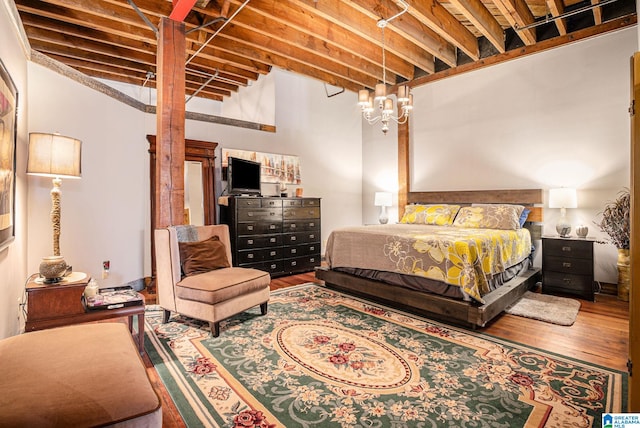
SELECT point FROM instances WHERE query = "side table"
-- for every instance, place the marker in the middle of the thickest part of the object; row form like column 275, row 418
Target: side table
column 60, row 304
column 567, row 266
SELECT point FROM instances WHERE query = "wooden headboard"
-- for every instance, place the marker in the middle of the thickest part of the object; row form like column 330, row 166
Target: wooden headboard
column 527, row 197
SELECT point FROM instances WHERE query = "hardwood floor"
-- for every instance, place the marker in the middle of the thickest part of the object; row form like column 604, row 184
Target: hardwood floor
column 600, row 336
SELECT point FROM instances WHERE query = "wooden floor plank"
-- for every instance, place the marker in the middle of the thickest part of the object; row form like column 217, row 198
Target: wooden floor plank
column 599, row 336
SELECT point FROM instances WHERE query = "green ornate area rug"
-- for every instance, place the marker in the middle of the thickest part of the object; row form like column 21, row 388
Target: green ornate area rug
column 320, row 358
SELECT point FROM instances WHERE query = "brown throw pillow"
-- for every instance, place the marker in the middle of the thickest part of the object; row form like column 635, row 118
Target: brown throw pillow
column 202, row 256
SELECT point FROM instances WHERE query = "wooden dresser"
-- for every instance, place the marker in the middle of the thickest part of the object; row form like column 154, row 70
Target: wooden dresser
column 278, row 235
column 567, row 266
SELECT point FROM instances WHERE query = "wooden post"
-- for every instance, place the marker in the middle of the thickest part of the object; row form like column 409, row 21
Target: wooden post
column 404, row 175
column 170, row 116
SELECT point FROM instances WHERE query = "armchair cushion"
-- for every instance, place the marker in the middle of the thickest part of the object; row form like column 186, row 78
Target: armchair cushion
column 222, row 284
column 203, row 256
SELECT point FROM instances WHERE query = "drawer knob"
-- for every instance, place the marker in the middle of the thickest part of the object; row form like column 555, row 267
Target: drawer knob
column 312, row 236
column 273, row 266
column 312, row 224
column 293, row 238
column 272, row 226
column 250, row 242
column 566, row 280
column 294, row 263
column 312, row 259
column 293, row 251
column 566, row 264
column 272, row 240
column 566, row 249
column 293, row 226
column 249, row 256
column 273, row 253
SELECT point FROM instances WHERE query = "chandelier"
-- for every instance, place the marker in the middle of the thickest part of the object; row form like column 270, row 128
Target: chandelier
column 368, row 101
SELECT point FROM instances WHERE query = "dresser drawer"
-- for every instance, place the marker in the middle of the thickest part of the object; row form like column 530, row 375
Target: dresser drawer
column 567, row 283
column 263, row 214
column 257, row 228
column 567, row 248
column 301, row 225
column 253, row 256
column 302, row 250
column 259, row 241
column 247, row 203
column 301, row 264
column 568, row 265
column 271, row 203
column 272, row 266
column 302, row 212
column 292, row 203
column 301, row 238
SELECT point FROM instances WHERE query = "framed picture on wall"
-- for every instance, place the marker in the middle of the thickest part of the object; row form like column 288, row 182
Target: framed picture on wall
column 8, row 119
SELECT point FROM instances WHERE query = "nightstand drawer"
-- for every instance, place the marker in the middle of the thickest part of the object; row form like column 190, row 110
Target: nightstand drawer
column 568, row 248
column 567, row 283
column 574, row 266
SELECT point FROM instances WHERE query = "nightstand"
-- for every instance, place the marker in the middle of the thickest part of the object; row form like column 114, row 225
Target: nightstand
column 567, row 266
column 60, row 304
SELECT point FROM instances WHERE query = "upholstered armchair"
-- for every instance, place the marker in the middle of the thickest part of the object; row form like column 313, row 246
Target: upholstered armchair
column 195, row 277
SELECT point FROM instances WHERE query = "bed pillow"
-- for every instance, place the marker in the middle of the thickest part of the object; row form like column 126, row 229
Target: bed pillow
column 490, row 216
column 439, row 215
column 523, row 216
column 202, row 256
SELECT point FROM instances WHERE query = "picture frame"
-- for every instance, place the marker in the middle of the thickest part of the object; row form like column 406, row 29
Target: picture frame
column 276, row 168
column 8, row 136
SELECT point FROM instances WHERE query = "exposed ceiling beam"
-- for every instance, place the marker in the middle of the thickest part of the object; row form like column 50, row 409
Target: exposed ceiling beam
column 181, row 9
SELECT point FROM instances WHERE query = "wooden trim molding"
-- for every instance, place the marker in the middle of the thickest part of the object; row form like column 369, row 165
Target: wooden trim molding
column 634, row 295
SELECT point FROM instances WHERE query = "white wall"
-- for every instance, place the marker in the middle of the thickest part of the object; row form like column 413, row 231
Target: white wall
column 105, row 215
column 13, row 259
column 557, row 118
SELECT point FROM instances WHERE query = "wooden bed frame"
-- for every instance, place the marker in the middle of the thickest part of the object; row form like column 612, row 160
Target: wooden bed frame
column 471, row 314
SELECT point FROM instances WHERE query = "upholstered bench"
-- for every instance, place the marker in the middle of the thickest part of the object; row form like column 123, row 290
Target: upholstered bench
column 76, row 376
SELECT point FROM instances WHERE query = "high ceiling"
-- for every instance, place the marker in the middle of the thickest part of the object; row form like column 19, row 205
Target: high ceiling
column 335, row 41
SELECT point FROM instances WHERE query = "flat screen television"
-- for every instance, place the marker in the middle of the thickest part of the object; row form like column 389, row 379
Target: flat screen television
column 243, row 177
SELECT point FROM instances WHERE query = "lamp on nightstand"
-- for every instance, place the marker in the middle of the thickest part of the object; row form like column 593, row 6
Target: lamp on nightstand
column 383, row 200
column 52, row 155
column 563, row 198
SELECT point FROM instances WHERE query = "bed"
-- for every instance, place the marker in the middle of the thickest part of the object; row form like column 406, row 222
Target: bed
column 461, row 257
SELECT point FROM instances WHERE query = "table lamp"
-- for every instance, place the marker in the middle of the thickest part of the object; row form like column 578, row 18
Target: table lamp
column 563, row 198
column 383, row 200
column 52, row 155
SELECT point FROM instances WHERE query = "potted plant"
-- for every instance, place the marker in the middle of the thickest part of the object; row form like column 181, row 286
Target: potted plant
column 615, row 223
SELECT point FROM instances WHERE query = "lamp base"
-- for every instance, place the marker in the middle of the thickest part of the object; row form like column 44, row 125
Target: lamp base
column 563, row 229
column 383, row 218
column 53, row 269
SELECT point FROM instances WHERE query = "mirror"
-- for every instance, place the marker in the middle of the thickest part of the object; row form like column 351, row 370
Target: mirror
column 193, row 193
column 199, row 174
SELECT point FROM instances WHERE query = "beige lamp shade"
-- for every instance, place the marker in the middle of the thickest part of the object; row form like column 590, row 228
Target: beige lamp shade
column 563, row 197
column 53, row 155
column 382, row 199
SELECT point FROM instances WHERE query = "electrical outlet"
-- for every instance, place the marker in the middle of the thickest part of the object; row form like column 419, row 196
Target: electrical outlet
column 106, row 265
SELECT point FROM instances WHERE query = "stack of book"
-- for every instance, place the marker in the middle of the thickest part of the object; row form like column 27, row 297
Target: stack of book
column 113, row 298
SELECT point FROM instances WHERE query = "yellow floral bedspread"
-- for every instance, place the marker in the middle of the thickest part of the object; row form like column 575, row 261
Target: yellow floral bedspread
column 458, row 256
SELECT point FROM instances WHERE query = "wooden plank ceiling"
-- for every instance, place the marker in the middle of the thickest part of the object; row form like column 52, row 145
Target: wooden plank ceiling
column 335, row 41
